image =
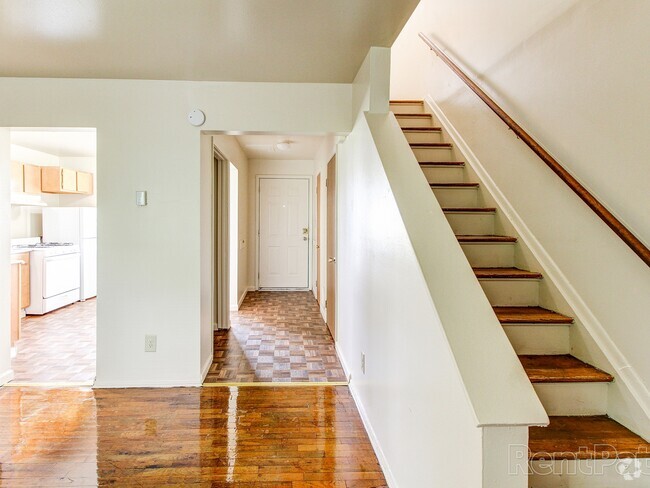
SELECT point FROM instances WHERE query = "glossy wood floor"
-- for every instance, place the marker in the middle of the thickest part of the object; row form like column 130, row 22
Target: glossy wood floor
column 224, row 436
column 58, row 347
column 276, row 336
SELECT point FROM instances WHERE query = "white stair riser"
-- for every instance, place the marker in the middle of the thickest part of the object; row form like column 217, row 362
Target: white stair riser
column 456, row 197
column 432, row 154
column 490, row 255
column 477, row 223
column 424, row 136
column 406, row 121
column 539, row 338
column 444, row 174
column 407, row 108
column 573, row 398
column 589, row 473
column 515, row 293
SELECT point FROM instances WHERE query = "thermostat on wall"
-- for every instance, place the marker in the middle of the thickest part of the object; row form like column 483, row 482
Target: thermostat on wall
column 196, row 118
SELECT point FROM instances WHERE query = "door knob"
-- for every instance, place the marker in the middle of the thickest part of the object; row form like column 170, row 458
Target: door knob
column 331, row 260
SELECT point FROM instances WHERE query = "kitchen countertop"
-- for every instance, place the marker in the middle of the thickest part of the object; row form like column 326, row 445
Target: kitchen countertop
column 20, row 251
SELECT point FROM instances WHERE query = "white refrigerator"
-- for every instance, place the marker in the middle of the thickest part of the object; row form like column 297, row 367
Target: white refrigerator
column 79, row 226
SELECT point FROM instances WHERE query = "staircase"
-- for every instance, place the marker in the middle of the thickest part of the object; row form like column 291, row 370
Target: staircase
column 573, row 392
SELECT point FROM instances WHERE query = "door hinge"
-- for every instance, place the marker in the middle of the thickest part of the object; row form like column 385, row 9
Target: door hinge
column 325, row 303
column 325, row 182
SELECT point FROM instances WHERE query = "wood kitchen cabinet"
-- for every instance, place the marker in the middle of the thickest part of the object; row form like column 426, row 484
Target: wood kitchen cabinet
column 84, row 183
column 17, row 178
column 58, row 180
column 31, row 178
column 25, row 296
column 15, row 302
column 62, row 180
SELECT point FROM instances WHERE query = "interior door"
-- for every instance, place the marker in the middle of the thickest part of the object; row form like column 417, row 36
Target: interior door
column 284, row 233
column 331, row 246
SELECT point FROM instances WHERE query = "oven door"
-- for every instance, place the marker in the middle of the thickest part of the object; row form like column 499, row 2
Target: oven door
column 60, row 274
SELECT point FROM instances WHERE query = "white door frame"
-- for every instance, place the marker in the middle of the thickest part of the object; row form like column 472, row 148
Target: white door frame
column 310, row 259
column 220, row 240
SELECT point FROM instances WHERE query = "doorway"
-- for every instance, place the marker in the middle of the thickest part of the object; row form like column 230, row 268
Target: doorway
column 330, row 302
column 233, row 230
column 53, row 230
column 283, row 232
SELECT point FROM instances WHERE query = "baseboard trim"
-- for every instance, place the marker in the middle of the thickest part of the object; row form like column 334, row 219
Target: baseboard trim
column 625, row 373
column 374, row 441
column 149, row 384
column 6, row 377
column 206, row 367
column 242, row 297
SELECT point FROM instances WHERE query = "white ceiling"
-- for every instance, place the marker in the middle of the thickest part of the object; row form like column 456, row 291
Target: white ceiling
column 58, row 142
column 221, row 40
column 264, row 146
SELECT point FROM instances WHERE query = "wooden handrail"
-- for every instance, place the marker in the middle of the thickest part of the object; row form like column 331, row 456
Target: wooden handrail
column 606, row 216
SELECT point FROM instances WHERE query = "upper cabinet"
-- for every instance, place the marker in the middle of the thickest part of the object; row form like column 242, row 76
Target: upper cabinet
column 25, row 178
column 29, row 178
column 62, row 180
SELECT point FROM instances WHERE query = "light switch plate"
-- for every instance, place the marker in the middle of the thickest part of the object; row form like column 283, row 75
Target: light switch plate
column 141, row 198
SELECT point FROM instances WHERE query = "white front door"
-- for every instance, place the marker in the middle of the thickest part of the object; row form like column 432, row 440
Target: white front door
column 284, row 233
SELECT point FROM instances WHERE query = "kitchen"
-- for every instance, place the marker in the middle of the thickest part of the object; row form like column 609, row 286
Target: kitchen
column 53, row 256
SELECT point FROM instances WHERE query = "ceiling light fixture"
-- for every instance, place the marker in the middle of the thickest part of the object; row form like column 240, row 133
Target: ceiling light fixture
column 283, row 145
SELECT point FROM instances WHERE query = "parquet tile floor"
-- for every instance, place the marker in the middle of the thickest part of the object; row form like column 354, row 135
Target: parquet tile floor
column 276, row 336
column 251, row 437
column 58, row 347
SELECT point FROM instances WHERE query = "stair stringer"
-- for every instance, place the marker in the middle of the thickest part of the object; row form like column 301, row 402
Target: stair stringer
column 628, row 399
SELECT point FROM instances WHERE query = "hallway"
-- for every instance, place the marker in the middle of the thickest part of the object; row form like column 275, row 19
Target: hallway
column 245, row 437
column 276, row 336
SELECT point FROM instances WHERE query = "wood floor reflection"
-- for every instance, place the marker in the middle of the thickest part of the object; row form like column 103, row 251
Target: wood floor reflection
column 276, row 336
column 246, row 437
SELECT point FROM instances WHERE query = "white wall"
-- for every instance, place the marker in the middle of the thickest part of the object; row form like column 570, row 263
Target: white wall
column 6, row 373
column 569, row 72
column 149, row 263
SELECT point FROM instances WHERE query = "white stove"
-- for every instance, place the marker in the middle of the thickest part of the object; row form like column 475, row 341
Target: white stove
column 54, row 275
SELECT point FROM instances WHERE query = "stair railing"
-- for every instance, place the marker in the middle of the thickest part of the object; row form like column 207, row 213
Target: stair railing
column 605, row 215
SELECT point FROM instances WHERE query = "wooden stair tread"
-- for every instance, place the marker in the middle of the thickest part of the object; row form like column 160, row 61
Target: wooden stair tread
column 505, row 273
column 421, row 129
column 412, row 115
column 561, row 368
column 530, row 315
column 441, row 163
column 453, row 185
column 469, row 209
column 485, row 238
column 585, row 437
column 408, row 102
column 425, row 145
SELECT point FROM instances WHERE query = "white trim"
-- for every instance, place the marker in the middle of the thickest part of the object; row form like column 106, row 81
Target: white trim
column 310, row 257
column 242, row 297
column 7, row 376
column 149, row 384
column 374, row 441
column 206, row 368
column 624, row 371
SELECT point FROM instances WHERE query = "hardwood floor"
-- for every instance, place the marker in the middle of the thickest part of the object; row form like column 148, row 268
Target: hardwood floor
column 276, row 337
column 58, row 347
column 225, row 436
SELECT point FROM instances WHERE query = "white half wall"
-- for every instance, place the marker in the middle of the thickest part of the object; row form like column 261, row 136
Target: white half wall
column 149, row 258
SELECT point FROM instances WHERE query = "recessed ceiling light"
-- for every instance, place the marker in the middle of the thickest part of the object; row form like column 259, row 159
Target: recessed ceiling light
column 283, row 145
